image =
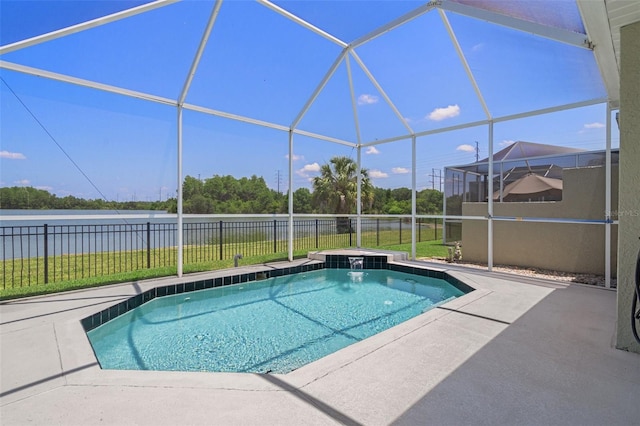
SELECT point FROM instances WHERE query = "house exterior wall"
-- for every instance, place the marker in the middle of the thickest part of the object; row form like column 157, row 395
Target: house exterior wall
column 555, row 246
column 629, row 207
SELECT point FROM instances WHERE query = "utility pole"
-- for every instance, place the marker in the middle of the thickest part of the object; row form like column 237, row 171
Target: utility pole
column 278, row 180
column 433, row 176
column 477, row 152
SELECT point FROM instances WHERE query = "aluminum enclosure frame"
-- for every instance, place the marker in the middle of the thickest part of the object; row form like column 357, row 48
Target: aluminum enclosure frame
column 591, row 12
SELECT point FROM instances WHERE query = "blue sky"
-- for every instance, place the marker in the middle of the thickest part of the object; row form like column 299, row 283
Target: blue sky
column 260, row 65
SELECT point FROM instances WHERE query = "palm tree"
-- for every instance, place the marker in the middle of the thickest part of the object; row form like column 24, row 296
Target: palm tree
column 335, row 190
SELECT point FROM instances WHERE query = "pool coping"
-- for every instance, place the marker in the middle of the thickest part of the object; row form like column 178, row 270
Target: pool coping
column 491, row 348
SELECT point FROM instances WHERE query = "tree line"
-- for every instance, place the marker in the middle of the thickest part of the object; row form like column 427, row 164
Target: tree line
column 26, row 197
column 334, row 192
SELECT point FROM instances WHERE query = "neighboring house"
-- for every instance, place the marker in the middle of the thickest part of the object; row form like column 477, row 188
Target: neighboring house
column 535, row 181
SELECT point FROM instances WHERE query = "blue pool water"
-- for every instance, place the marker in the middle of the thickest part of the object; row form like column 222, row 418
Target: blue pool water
column 275, row 325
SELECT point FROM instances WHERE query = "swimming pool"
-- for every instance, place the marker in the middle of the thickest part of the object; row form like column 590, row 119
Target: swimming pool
column 274, row 325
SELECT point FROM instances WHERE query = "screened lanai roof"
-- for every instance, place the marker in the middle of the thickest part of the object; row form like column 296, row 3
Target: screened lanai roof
column 331, row 45
column 46, row 16
column 543, row 158
column 521, row 150
column 356, row 73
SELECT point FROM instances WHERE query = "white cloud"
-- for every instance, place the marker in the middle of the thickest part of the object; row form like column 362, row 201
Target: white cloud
column 12, row 155
column 308, row 168
column 595, row 125
column 366, row 99
column 44, row 188
column 372, row 150
column 295, row 157
column 506, row 142
column 466, row 148
column 377, row 174
column 23, row 182
column 478, row 47
column 400, row 170
column 440, row 114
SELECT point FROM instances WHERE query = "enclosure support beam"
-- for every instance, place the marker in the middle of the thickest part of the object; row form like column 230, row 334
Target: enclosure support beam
column 302, row 22
column 554, row 33
column 607, row 204
column 85, row 83
column 421, row 10
column 413, row 198
column 382, row 92
column 549, row 110
column 490, row 202
column 181, row 99
column 444, row 209
column 201, row 47
column 262, row 123
column 290, row 209
column 354, row 107
column 164, row 101
column 323, row 138
column 501, row 181
column 179, row 226
column 494, row 119
column 359, row 199
column 316, row 92
column 387, row 140
column 595, row 18
column 465, row 64
column 84, row 26
column 353, row 101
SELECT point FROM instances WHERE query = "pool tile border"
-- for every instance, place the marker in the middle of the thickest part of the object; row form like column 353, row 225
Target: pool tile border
column 431, row 273
column 99, row 318
column 332, row 261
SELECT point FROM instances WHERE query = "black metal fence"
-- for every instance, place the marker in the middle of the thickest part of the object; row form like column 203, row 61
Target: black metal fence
column 42, row 254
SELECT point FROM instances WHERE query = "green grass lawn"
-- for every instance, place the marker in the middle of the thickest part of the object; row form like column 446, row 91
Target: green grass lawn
column 72, row 272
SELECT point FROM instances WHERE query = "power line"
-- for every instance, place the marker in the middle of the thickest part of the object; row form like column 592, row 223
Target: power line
column 54, row 139
column 42, row 126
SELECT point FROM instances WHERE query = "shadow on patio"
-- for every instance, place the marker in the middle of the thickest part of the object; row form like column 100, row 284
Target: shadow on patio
column 554, row 365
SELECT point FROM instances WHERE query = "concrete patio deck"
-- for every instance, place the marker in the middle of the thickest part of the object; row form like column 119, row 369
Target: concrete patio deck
column 515, row 351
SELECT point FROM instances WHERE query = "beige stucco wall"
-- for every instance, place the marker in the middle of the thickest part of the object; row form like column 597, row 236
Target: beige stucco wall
column 560, row 247
column 629, row 207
